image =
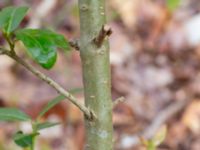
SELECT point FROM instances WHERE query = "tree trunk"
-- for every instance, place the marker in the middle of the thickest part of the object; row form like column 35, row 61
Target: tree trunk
column 96, row 75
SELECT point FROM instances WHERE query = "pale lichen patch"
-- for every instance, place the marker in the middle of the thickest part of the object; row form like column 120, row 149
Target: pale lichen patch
column 101, row 133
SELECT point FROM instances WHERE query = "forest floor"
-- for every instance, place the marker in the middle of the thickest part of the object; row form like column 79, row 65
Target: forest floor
column 155, row 65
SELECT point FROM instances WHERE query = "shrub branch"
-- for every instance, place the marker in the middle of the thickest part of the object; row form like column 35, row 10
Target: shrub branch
column 87, row 112
column 104, row 32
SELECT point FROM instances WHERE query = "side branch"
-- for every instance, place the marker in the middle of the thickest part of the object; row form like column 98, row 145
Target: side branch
column 104, row 32
column 88, row 113
column 2, row 51
column 159, row 120
column 74, row 44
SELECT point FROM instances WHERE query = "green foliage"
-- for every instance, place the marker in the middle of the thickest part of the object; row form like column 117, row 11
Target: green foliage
column 45, row 125
column 13, row 114
column 41, row 45
column 11, row 17
column 151, row 145
column 158, row 138
column 24, row 140
column 173, row 4
column 51, row 104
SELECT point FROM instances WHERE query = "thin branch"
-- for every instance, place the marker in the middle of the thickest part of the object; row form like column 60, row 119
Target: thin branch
column 74, row 44
column 88, row 113
column 104, row 32
column 10, row 42
column 163, row 116
column 118, row 101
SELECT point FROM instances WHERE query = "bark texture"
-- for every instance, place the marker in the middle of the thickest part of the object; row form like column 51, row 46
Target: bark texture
column 96, row 75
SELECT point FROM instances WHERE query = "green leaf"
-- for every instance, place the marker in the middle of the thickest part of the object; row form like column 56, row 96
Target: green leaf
column 24, row 140
column 51, row 104
column 11, row 17
column 41, row 45
column 160, row 135
column 173, row 4
column 45, row 125
column 13, row 114
column 151, row 145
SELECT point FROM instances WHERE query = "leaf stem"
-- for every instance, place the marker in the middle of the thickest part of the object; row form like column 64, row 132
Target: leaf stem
column 87, row 112
column 10, row 42
column 34, row 137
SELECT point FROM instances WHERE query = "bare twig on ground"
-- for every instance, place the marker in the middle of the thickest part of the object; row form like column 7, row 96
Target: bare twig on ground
column 150, row 131
column 118, row 100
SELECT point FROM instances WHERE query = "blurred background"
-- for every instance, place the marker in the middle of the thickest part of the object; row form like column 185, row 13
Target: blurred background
column 155, row 62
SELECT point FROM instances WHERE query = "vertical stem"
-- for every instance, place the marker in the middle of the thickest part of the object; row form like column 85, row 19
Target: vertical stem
column 96, row 75
column 34, row 131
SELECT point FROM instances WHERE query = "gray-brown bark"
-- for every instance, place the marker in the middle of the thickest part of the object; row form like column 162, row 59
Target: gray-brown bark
column 96, row 75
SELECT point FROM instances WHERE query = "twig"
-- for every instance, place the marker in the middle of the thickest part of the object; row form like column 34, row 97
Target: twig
column 11, row 44
column 74, row 44
column 162, row 117
column 118, row 100
column 88, row 113
column 104, row 32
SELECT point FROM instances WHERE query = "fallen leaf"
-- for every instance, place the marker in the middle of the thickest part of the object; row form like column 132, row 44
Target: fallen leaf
column 191, row 117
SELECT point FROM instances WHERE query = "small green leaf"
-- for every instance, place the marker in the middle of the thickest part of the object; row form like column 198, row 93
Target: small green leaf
column 173, row 4
column 13, row 114
column 160, row 135
column 11, row 17
column 42, row 44
column 45, row 125
column 24, row 140
column 151, row 145
column 51, row 104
